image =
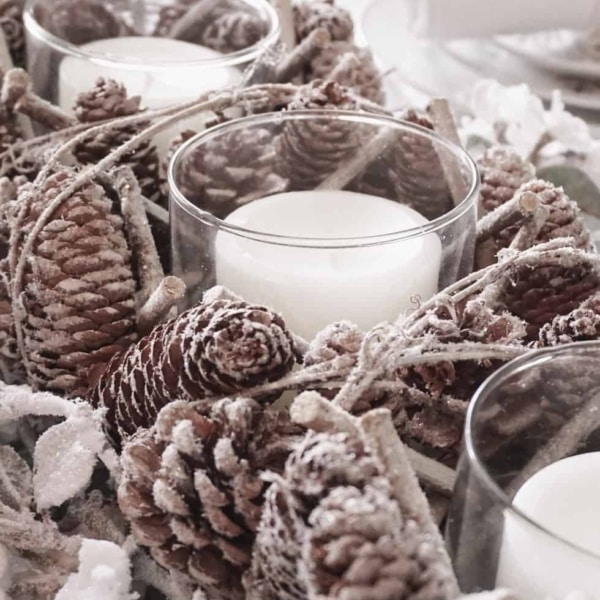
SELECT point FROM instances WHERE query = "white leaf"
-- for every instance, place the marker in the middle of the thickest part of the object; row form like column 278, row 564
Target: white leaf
column 65, row 457
column 18, row 401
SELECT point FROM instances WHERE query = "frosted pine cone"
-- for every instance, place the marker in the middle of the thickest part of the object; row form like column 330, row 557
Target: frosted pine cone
column 192, row 490
column 215, row 349
column 79, row 288
column 364, row 78
column 11, row 21
column 309, row 151
column 581, row 324
column 230, row 171
column 342, row 339
column 108, row 100
column 310, row 15
column 503, row 172
column 331, row 528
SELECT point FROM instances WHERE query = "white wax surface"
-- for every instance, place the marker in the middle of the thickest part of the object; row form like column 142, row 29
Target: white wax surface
column 312, row 287
column 563, row 498
column 159, row 87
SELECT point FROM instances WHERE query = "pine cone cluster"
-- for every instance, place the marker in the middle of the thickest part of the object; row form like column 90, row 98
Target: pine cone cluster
column 109, row 100
column 502, row 172
column 309, row 151
column 192, row 488
column 11, row 21
column 331, row 528
column 215, row 349
column 79, row 287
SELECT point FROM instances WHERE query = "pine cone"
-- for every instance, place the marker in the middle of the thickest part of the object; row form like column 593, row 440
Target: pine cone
column 215, row 349
column 307, row 152
column 503, row 172
column 310, row 15
column 79, row 288
column 580, row 325
column 80, row 21
column 365, row 79
column 192, row 490
column 332, row 529
column 108, row 100
column 230, row 171
column 11, row 21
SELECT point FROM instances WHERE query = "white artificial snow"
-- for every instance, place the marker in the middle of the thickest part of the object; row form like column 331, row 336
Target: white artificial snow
column 104, row 574
column 17, row 401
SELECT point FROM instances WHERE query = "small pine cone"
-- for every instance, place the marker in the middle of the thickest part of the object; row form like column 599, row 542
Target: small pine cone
column 342, row 339
column 212, row 350
column 192, row 490
column 309, row 151
column 310, row 15
column 234, row 31
column 11, row 21
column 108, row 100
column 81, row 21
column 332, row 529
column 79, row 288
column 364, row 79
column 580, row 325
column 503, row 172
column 230, row 171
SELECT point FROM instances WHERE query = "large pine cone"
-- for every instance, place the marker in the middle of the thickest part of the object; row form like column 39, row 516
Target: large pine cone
column 108, row 100
column 79, row 288
column 310, row 15
column 11, row 21
column 309, row 151
column 212, row 350
column 580, row 325
column 193, row 492
column 502, row 172
column 332, row 529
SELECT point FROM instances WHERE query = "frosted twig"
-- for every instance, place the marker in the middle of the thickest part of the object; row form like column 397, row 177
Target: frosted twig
column 286, row 22
column 156, row 211
column 348, row 63
column 529, row 231
column 302, row 54
column 169, row 291
column 199, row 13
column 521, row 206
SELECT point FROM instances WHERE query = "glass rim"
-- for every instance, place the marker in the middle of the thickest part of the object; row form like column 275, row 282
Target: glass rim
column 244, row 55
column 328, row 242
column 499, row 377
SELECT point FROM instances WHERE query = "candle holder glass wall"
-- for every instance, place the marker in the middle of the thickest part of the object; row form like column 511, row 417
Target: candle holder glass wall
column 524, row 514
column 323, row 215
column 163, row 51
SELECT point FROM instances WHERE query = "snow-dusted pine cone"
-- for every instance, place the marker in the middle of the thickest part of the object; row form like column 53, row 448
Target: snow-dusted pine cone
column 78, row 289
column 192, row 488
column 580, row 325
column 108, row 100
column 502, row 172
column 80, row 21
column 314, row 14
column 364, row 78
column 332, row 529
column 11, row 21
column 231, row 170
column 309, row 151
column 215, row 349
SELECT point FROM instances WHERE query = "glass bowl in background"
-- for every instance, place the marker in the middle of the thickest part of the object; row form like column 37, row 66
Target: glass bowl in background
column 253, row 209
column 524, row 512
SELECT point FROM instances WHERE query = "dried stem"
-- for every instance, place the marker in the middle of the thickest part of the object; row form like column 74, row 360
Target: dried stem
column 286, row 22
column 157, row 307
column 156, row 211
column 444, row 124
column 198, row 13
column 346, row 65
column 301, row 55
column 527, row 235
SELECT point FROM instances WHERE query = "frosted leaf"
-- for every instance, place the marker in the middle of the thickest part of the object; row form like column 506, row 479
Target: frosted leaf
column 18, row 401
column 16, row 487
column 103, row 574
column 570, row 133
column 65, row 457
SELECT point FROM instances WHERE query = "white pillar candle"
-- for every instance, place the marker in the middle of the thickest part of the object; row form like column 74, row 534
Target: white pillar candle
column 564, row 499
column 159, row 86
column 314, row 286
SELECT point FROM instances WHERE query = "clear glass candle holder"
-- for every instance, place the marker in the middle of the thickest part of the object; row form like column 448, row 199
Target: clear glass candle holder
column 524, row 513
column 145, row 45
column 321, row 215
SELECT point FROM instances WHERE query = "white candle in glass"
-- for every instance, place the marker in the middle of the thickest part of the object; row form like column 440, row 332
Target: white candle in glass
column 316, row 283
column 159, row 86
column 563, row 499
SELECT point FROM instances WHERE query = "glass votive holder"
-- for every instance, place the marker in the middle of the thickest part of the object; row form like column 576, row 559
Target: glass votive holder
column 322, row 215
column 524, row 513
column 162, row 51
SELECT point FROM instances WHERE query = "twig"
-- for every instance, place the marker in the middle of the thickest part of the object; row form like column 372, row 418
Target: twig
column 195, row 16
column 286, row 22
column 564, row 443
column 346, row 64
column 155, row 210
column 357, row 165
column 302, row 54
column 527, row 235
column 444, row 124
column 165, row 297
